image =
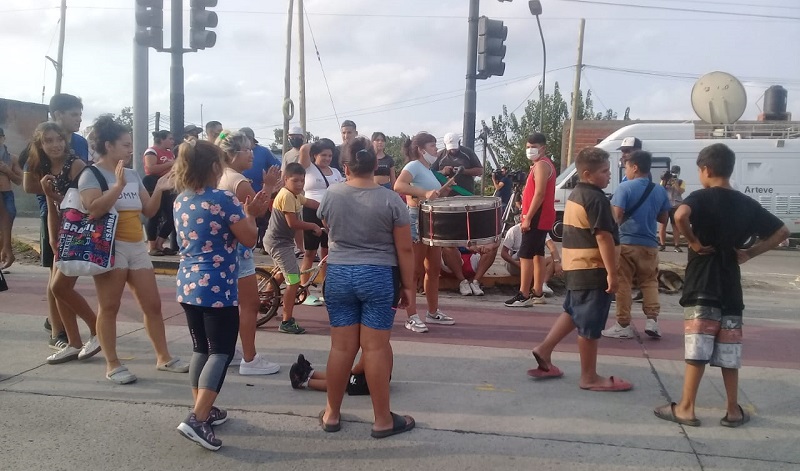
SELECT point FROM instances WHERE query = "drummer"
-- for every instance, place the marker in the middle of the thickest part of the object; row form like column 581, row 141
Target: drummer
column 418, row 183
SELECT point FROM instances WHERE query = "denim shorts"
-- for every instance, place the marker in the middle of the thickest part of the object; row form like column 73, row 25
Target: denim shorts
column 413, row 215
column 362, row 294
column 247, row 267
column 589, row 311
column 8, row 202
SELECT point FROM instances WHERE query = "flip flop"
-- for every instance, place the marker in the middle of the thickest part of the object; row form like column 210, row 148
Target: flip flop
column 174, row 366
column 399, row 425
column 540, row 361
column 667, row 412
column 539, row 373
column 735, row 423
column 617, row 385
column 121, row 375
column 155, row 253
column 330, row 428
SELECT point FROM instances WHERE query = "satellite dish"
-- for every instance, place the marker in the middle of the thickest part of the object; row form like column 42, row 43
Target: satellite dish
column 719, row 98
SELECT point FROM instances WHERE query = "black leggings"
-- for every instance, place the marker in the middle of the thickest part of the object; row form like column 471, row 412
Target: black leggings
column 214, row 331
column 161, row 224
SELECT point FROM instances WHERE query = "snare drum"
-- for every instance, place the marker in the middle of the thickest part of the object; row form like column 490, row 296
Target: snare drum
column 461, row 221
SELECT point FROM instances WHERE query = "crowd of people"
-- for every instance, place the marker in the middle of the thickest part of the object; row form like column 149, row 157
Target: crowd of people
column 214, row 201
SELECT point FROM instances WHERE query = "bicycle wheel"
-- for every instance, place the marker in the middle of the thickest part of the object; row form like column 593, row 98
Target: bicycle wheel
column 269, row 296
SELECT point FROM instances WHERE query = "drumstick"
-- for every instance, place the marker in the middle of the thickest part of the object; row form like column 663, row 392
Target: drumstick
column 452, row 179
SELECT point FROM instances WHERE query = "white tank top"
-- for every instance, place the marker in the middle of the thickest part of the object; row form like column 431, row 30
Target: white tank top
column 315, row 186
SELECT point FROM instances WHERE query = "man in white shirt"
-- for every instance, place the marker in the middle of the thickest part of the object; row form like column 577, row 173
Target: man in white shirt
column 510, row 247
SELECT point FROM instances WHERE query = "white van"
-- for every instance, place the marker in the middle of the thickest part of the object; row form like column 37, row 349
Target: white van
column 767, row 162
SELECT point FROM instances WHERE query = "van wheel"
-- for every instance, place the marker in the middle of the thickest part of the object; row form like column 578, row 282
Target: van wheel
column 557, row 232
column 749, row 242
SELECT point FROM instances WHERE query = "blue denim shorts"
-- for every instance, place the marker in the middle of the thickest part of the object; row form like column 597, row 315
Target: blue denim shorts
column 413, row 215
column 247, row 267
column 8, row 202
column 362, row 294
column 589, row 311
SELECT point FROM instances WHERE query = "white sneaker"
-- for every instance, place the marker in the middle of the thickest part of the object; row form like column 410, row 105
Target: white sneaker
column 259, row 366
column 616, row 331
column 439, row 317
column 476, row 288
column 64, row 355
column 90, row 348
column 238, row 355
column 464, row 288
column 312, row 301
column 414, row 324
column 548, row 291
column 651, row 328
column 538, row 299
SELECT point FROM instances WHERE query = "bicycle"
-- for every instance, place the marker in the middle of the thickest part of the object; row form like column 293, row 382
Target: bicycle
column 270, row 290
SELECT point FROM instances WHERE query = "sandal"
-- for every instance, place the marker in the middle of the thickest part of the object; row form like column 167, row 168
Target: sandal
column 617, row 385
column 400, row 424
column 174, row 366
column 156, row 253
column 168, row 251
column 735, row 423
column 121, row 375
column 330, row 428
column 667, row 412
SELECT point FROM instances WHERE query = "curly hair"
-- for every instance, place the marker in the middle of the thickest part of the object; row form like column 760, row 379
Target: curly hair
column 196, row 165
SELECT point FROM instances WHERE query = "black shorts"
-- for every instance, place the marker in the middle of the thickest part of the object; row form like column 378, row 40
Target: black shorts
column 672, row 214
column 532, row 244
column 588, row 309
column 311, row 241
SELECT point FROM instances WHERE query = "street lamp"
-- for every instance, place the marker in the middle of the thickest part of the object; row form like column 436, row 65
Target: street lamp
column 536, row 9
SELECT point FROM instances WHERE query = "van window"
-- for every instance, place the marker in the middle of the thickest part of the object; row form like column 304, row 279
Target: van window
column 565, row 174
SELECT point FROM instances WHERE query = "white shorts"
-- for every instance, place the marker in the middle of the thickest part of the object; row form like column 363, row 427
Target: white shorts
column 131, row 256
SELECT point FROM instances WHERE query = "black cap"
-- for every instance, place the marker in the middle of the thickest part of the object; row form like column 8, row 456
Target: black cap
column 192, row 130
column 250, row 134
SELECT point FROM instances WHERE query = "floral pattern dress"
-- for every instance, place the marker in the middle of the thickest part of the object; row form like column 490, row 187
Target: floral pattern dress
column 207, row 275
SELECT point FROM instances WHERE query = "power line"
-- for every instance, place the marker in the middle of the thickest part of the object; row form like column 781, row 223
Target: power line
column 687, row 10
column 686, row 75
column 319, row 58
column 754, row 5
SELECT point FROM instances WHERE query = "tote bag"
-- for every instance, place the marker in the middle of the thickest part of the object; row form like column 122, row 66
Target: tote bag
column 85, row 244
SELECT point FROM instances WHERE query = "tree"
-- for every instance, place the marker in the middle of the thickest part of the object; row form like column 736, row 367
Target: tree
column 278, row 143
column 508, row 133
column 125, row 117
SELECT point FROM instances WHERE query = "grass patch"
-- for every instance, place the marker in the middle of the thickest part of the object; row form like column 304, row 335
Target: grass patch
column 21, row 247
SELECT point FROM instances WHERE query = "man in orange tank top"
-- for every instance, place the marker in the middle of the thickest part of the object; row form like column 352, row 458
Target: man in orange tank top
column 538, row 216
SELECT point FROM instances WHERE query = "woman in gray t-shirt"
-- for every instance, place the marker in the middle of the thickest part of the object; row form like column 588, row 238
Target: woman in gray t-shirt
column 370, row 272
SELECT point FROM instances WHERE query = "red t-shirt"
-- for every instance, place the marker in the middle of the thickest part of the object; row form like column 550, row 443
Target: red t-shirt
column 545, row 216
column 162, row 156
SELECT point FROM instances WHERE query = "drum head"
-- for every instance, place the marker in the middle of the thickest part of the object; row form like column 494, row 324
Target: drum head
column 460, row 204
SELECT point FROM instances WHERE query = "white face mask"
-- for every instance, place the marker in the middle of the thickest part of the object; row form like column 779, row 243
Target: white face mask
column 429, row 158
column 532, row 153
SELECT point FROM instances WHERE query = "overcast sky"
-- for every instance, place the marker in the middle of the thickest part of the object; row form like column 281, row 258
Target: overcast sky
column 399, row 65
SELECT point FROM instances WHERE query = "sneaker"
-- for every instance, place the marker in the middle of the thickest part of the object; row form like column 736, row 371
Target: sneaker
column 64, row 355
column 259, row 366
column 538, row 299
column 616, row 331
column 199, row 432
column 464, row 288
column 299, row 254
column 519, row 300
column 291, row 327
column 90, row 348
column 638, row 297
column 678, row 249
column 312, row 301
column 651, row 328
column 662, row 248
column 439, row 317
column 546, row 290
column 300, row 372
column 357, row 386
column 217, row 416
column 238, row 355
column 58, row 342
column 475, row 287
column 415, row 324
column 47, row 325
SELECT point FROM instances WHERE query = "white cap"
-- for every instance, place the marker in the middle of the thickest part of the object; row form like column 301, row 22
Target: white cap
column 451, row 140
column 296, row 130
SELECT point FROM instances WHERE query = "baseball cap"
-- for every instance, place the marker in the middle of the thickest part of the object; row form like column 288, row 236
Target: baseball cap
column 250, row 134
column 630, row 142
column 451, row 141
column 296, row 130
column 192, row 129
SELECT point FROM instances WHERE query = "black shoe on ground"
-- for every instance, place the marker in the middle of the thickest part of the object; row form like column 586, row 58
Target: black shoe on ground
column 300, row 372
column 200, row 433
column 638, row 297
column 519, row 301
column 217, row 416
column 47, row 325
column 662, row 248
column 678, row 249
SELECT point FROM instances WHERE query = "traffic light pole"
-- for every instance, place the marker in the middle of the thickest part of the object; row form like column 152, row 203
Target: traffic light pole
column 470, row 96
column 176, row 95
column 140, row 105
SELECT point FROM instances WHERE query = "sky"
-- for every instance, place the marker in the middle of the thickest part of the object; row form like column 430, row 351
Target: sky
column 399, row 66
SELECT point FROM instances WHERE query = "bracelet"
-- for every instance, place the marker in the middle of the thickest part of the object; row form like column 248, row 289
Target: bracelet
column 557, row 261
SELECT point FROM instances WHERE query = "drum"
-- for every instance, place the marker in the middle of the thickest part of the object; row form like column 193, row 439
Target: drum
column 461, row 221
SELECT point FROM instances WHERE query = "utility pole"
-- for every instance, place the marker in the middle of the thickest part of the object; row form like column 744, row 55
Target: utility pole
column 62, row 32
column 470, row 96
column 302, row 70
column 176, row 95
column 141, row 90
column 575, row 91
column 288, row 106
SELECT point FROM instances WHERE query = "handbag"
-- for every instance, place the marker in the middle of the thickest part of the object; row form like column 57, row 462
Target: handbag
column 85, row 244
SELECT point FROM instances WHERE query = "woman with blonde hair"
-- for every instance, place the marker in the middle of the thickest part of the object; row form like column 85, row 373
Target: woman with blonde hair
column 238, row 151
column 418, row 183
column 132, row 266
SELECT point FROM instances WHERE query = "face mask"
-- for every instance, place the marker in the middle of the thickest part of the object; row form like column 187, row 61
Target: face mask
column 296, row 142
column 532, row 153
column 429, row 158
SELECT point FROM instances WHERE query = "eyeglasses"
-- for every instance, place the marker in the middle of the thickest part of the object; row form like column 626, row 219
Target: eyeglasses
column 246, row 150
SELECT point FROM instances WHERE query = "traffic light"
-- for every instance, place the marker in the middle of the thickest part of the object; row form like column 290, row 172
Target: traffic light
column 491, row 50
column 150, row 23
column 201, row 19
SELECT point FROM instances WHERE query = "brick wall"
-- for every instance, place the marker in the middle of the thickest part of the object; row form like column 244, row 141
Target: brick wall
column 19, row 119
column 587, row 134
